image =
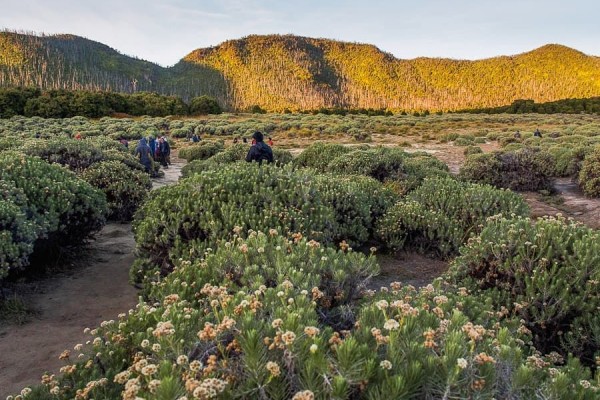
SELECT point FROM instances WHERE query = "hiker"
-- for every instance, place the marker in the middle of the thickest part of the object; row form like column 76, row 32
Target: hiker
column 260, row 151
column 517, row 135
column 163, row 150
column 124, row 142
column 195, row 138
column 145, row 155
column 270, row 142
column 152, row 144
column 537, row 133
column 235, row 140
column 244, row 140
column 78, row 136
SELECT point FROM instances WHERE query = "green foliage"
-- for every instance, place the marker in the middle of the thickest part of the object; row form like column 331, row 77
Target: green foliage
column 265, row 316
column 521, row 170
column 545, row 273
column 201, row 151
column 472, row 150
column 589, row 176
column 17, row 233
column 318, row 155
column 76, row 154
column 125, row 189
column 441, row 214
column 204, row 105
column 43, row 201
column 207, row 207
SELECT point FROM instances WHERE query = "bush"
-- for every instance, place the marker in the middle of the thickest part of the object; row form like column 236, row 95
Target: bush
column 17, row 233
column 441, row 214
column 379, row 163
column 206, row 207
column 358, row 202
column 65, row 206
column 201, row 151
column 258, row 317
column 522, row 170
column 125, row 189
column 545, row 273
column 73, row 153
column 567, row 161
column 282, row 157
column 318, row 155
column 472, row 150
column 589, row 176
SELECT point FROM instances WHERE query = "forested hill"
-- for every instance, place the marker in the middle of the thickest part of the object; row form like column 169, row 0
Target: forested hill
column 289, row 72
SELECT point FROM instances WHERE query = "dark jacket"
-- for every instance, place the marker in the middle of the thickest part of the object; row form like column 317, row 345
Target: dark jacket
column 259, row 152
column 143, row 151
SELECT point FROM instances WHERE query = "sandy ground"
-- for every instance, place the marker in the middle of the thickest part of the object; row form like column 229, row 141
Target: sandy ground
column 97, row 289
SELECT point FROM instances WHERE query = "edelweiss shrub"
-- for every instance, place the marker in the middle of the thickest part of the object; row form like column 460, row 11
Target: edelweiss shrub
column 589, row 176
column 67, row 208
column 520, row 170
column 546, row 273
column 442, row 213
column 201, row 151
column 125, row 189
column 379, row 163
column 206, row 207
column 318, row 155
column 75, row 154
column 216, row 339
column 17, row 233
column 358, row 202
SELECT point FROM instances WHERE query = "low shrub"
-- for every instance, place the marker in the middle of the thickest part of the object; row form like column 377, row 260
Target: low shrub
column 442, row 213
column 257, row 318
column 201, row 151
column 75, row 154
column 17, row 233
column 318, row 155
column 522, row 170
column 379, row 163
column 472, row 150
column 125, row 189
column 206, row 207
column 546, row 273
column 64, row 206
column 589, row 176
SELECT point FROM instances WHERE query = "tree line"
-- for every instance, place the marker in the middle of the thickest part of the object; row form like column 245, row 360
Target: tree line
column 61, row 103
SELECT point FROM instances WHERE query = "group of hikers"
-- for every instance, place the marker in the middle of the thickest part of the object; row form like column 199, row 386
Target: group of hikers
column 149, row 150
column 244, row 140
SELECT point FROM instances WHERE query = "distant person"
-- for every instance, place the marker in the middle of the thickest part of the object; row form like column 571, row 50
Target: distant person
column 124, row 142
column 195, row 138
column 37, row 135
column 260, row 151
column 235, row 140
column 78, row 136
column 144, row 153
column 537, row 133
column 517, row 135
column 270, row 142
column 244, row 140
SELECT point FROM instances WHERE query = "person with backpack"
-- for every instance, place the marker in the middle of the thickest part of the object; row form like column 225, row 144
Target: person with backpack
column 260, row 151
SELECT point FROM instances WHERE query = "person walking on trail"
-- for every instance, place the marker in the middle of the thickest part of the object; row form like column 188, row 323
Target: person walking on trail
column 152, row 144
column 537, row 133
column 195, row 138
column 145, row 155
column 163, row 150
column 260, row 151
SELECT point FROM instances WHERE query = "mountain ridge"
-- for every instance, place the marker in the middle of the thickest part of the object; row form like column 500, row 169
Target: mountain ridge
column 278, row 72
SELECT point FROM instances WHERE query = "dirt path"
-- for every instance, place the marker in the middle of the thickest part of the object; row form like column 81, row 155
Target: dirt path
column 68, row 303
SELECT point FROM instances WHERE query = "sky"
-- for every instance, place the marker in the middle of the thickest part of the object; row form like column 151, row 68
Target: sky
column 165, row 31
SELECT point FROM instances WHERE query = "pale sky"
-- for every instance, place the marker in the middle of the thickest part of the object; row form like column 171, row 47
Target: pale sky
column 165, row 31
